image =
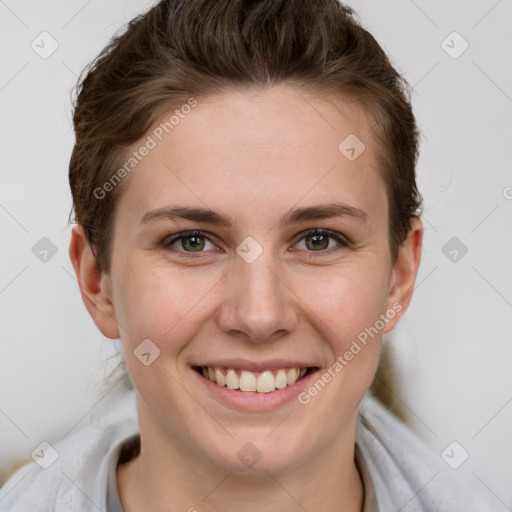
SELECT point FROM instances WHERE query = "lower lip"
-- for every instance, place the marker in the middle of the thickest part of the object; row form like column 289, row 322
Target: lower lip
column 251, row 400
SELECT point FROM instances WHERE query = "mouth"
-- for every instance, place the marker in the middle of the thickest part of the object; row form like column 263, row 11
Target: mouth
column 245, row 381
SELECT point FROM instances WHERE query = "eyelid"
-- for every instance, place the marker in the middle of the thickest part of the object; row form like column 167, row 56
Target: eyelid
column 169, row 240
column 341, row 239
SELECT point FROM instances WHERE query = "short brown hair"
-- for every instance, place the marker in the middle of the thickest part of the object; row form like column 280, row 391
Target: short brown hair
column 194, row 48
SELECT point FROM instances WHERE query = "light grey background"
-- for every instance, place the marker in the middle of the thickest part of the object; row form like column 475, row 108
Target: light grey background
column 453, row 348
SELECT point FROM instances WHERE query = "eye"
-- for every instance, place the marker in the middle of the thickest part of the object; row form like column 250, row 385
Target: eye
column 190, row 241
column 321, row 240
column 314, row 240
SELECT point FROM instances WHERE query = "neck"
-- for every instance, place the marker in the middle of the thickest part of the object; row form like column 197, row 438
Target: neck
column 167, row 476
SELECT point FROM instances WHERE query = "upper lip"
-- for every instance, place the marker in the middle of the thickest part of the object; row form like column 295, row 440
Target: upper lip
column 255, row 366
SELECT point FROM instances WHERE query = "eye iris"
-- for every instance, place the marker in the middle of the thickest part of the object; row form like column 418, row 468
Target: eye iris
column 193, row 243
column 317, row 241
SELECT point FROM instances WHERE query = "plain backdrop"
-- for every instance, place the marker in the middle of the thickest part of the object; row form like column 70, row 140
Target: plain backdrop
column 453, row 347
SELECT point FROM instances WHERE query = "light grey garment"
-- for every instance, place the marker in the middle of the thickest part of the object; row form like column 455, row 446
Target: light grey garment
column 113, row 500
column 399, row 472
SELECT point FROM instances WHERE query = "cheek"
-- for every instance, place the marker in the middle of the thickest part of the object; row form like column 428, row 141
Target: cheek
column 345, row 302
column 148, row 305
column 166, row 306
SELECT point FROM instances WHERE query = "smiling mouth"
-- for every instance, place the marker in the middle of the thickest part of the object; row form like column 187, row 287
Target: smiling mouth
column 266, row 381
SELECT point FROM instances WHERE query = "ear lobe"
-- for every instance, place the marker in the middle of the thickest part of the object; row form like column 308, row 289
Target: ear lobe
column 95, row 286
column 405, row 271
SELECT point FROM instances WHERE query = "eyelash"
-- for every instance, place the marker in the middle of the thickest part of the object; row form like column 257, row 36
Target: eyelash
column 340, row 239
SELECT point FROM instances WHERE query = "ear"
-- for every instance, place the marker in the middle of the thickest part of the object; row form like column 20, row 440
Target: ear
column 95, row 286
column 404, row 272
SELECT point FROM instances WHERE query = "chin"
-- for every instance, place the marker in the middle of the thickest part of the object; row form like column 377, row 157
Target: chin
column 258, row 453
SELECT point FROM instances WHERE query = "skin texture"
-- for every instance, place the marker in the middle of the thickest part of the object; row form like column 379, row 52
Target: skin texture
column 254, row 156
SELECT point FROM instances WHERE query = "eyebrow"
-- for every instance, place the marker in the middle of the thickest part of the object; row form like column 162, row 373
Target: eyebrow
column 205, row 215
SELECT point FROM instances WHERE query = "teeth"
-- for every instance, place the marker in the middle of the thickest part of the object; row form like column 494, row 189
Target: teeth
column 266, row 382
column 247, row 381
column 281, row 379
column 219, row 377
column 292, row 375
column 232, row 380
column 262, row 382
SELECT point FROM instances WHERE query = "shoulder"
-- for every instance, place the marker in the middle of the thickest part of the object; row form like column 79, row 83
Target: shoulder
column 406, row 474
column 69, row 475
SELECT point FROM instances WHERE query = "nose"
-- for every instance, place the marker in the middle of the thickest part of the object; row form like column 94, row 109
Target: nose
column 258, row 304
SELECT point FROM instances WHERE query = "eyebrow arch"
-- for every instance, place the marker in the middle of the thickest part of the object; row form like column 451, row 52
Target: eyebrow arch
column 324, row 211
column 298, row 215
column 186, row 212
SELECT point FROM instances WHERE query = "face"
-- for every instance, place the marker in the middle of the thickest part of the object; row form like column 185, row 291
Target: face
column 247, row 242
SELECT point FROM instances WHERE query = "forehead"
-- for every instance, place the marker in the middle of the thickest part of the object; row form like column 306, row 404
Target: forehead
column 267, row 148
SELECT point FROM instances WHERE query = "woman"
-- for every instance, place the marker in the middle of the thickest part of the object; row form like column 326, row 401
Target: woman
column 248, row 224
